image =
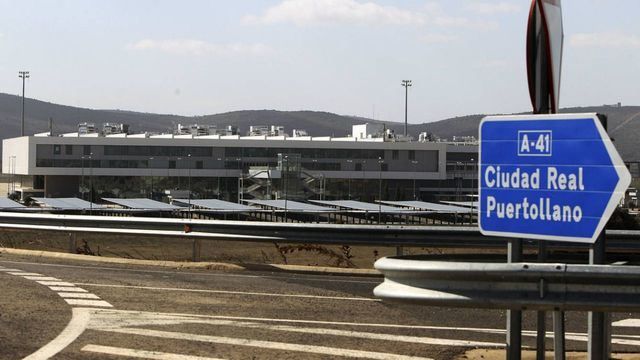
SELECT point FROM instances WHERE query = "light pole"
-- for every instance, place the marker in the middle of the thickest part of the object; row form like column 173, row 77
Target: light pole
column 91, row 183
column 414, row 163
column 284, row 173
column 406, row 84
column 380, row 161
column 363, row 179
column 349, row 180
column 82, row 176
column 24, row 75
column 151, row 176
column 189, row 181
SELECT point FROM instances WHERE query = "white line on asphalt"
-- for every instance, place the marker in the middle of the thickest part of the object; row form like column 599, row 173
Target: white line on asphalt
column 68, row 289
column 54, row 283
column 305, row 277
column 141, row 354
column 41, row 278
column 324, row 350
column 231, row 292
column 78, row 295
column 82, row 302
column 77, row 325
column 9, row 270
column 22, row 273
column 627, row 323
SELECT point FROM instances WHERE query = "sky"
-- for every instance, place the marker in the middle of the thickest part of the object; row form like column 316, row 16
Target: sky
column 349, row 57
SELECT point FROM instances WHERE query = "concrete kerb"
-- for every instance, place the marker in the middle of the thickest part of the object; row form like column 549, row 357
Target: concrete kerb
column 195, row 265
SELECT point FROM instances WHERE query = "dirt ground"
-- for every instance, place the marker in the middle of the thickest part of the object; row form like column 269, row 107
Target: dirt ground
column 482, row 354
column 180, row 249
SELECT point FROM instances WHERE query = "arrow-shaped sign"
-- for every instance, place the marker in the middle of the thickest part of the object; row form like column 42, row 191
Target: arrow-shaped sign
column 550, row 177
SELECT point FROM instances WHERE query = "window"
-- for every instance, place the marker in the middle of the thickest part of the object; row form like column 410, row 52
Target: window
column 57, row 149
column 395, row 155
column 412, row 154
column 199, row 164
column 68, row 150
column 86, row 150
column 384, row 167
column 172, row 164
column 358, row 166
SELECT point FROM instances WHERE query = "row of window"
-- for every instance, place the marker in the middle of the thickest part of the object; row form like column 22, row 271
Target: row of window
column 239, row 152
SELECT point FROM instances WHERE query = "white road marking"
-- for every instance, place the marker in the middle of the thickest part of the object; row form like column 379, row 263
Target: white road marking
column 306, row 277
column 22, row 273
column 10, row 270
column 141, row 354
column 77, row 325
column 41, row 278
column 232, row 292
column 78, row 295
column 83, row 302
column 627, row 323
column 54, row 283
column 324, row 350
column 67, row 289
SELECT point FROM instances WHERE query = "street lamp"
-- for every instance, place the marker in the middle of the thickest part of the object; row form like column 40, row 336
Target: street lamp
column 414, row 163
column 406, row 84
column 284, row 173
column 380, row 161
column 363, row 179
column 91, row 183
column 82, row 176
column 349, row 180
column 189, row 181
column 24, row 75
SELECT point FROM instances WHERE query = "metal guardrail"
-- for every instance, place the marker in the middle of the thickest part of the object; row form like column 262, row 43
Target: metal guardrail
column 516, row 286
column 341, row 234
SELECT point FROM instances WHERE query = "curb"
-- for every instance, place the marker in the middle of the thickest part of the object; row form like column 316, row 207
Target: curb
column 195, row 265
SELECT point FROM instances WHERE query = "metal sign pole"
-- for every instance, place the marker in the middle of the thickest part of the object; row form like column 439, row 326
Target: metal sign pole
column 599, row 322
column 542, row 315
column 514, row 317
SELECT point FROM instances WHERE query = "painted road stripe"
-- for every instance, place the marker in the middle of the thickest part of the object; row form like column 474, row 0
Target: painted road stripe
column 54, row 283
column 77, row 295
column 10, row 270
column 22, row 273
column 324, row 350
column 627, row 323
column 83, row 302
column 232, row 292
column 41, row 278
column 141, row 354
column 306, row 277
column 77, row 325
column 67, row 289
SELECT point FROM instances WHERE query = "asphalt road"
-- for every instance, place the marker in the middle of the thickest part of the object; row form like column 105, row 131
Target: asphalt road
column 81, row 311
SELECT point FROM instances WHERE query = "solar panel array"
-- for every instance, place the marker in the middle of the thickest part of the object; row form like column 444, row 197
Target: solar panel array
column 467, row 204
column 6, row 203
column 67, row 203
column 422, row 205
column 216, row 204
column 143, row 204
column 291, row 205
column 364, row 206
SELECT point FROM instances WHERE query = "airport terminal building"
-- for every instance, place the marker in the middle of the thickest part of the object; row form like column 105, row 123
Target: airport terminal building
column 264, row 164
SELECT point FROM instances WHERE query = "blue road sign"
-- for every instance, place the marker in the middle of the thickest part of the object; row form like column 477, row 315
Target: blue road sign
column 550, row 177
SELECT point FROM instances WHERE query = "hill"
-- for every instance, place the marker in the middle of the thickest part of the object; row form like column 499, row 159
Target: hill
column 623, row 125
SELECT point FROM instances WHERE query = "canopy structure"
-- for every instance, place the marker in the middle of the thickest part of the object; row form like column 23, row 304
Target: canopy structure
column 292, row 206
column 67, row 203
column 422, row 205
column 467, row 204
column 364, row 206
column 6, row 203
column 143, row 204
column 215, row 205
